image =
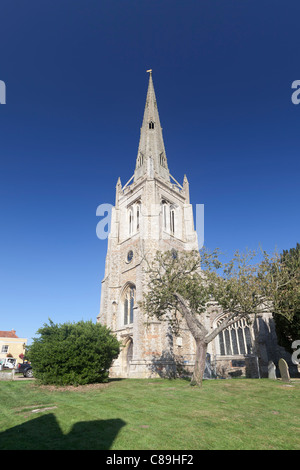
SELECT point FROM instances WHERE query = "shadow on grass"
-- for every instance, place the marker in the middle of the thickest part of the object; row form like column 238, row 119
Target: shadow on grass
column 116, row 379
column 44, row 433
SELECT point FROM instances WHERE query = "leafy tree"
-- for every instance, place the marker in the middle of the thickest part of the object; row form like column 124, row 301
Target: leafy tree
column 288, row 321
column 183, row 285
column 73, row 353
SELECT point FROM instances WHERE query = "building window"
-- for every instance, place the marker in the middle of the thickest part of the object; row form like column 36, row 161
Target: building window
column 130, row 221
column 236, row 339
column 168, row 217
column 138, row 212
column 134, row 218
column 140, row 160
column 172, row 220
column 151, row 125
column 4, row 348
column 129, row 256
column 129, row 305
column 164, row 214
column 162, row 160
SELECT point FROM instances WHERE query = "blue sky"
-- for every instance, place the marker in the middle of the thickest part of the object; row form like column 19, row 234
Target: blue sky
column 75, row 74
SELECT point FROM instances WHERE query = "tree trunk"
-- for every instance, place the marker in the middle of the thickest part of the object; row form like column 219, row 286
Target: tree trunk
column 199, row 332
column 201, row 348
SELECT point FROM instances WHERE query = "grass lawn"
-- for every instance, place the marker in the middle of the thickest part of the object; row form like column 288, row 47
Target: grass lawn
column 154, row 414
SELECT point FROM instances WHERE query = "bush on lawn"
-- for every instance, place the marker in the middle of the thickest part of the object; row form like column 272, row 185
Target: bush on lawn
column 73, row 353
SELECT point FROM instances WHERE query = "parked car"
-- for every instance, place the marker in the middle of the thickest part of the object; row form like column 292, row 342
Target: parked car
column 25, row 369
column 9, row 363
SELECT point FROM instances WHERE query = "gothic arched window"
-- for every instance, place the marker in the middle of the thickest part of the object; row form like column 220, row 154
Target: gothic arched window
column 172, row 220
column 164, row 214
column 130, row 221
column 128, row 302
column 140, row 160
column 162, row 160
column 138, row 214
column 236, row 339
column 151, row 125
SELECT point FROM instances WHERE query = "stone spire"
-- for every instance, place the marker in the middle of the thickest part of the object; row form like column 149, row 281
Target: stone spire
column 151, row 158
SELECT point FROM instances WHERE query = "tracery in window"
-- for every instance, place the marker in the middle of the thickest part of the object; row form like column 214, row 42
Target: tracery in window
column 236, row 339
column 168, row 216
column 128, row 302
column 134, row 217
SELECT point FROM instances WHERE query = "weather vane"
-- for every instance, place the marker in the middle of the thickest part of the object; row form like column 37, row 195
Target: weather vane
column 150, row 70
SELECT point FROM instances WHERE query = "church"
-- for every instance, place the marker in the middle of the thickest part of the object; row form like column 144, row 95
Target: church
column 152, row 213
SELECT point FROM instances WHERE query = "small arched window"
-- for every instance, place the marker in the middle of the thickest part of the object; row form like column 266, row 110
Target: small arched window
column 140, row 160
column 162, row 160
column 151, row 125
column 129, row 256
column 128, row 303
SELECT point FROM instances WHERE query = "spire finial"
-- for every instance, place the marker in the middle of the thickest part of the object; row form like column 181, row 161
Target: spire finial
column 151, row 158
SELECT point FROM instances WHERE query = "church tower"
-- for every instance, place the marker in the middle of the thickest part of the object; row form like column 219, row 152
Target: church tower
column 152, row 212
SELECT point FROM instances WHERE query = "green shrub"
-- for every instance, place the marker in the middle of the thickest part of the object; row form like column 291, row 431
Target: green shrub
column 73, row 353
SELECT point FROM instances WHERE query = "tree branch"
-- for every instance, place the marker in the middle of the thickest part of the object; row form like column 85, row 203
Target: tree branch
column 196, row 328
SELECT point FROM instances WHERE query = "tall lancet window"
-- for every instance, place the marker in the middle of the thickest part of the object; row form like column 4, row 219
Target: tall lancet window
column 138, row 214
column 130, row 221
column 129, row 296
column 164, row 214
column 151, row 125
column 172, row 220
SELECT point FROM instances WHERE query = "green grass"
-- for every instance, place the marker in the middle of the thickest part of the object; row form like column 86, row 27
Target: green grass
column 152, row 414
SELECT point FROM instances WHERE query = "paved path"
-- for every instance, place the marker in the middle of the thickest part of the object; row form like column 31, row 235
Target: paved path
column 21, row 377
